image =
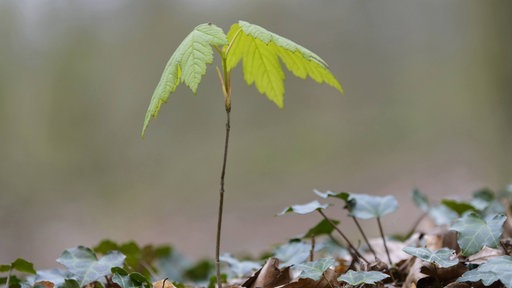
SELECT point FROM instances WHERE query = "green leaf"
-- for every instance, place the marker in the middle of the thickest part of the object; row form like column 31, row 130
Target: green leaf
column 442, row 215
column 239, row 268
column 260, row 51
column 69, row 283
column 24, row 266
column 364, row 206
column 315, row 269
column 443, row 257
column 187, row 64
column 362, row 277
column 420, row 200
column 5, row 267
column 292, row 253
column 458, row 206
column 322, row 228
column 475, row 232
column 496, row 269
column 82, row 262
column 305, row 208
column 341, row 195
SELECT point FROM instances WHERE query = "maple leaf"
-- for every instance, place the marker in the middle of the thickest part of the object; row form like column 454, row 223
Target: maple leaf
column 187, row 64
column 260, row 51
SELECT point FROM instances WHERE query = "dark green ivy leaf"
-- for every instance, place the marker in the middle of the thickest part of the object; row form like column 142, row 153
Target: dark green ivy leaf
column 315, row 269
column 458, row 206
column 305, row 208
column 475, row 232
column 364, row 206
column 362, row 277
column 496, row 269
column 322, row 228
column 82, row 262
column 443, row 257
column 23, row 266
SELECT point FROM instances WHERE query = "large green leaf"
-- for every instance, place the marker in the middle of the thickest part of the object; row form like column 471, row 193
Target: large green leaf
column 82, row 262
column 475, row 232
column 364, row 206
column 315, row 269
column 187, row 64
column 443, row 257
column 260, row 51
column 362, row 277
column 496, row 269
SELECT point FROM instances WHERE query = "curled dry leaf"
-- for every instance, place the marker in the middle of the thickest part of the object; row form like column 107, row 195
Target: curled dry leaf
column 484, row 255
column 269, row 276
column 163, row 284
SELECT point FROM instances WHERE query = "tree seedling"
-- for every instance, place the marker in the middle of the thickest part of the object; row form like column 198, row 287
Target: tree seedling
column 261, row 52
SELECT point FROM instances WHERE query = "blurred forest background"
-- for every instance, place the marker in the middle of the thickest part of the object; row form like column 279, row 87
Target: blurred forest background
column 427, row 104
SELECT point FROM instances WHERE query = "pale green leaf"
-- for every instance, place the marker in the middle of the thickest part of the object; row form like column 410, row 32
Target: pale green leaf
column 305, row 208
column 187, row 64
column 315, row 269
column 496, row 269
column 362, row 277
column 365, row 206
column 260, row 51
column 474, row 232
column 443, row 257
column 292, row 253
column 82, row 262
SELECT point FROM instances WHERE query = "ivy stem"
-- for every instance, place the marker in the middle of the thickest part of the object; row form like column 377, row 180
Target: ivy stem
column 384, row 240
column 344, row 237
column 364, row 236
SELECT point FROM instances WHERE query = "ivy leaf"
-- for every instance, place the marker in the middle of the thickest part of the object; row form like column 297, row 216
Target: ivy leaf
column 56, row 276
column 19, row 265
column 292, row 253
column 187, row 64
column 497, row 268
column 315, row 269
column 305, row 208
column 475, row 232
column 82, row 262
column 129, row 280
column 442, row 215
column 364, row 206
column 362, row 277
column 341, row 195
column 443, row 257
column 458, row 206
column 322, row 228
column 420, row 200
column 239, row 268
column 260, row 51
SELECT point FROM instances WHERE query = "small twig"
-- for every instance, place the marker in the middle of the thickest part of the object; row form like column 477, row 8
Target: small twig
column 8, row 278
column 364, row 236
column 384, row 240
column 344, row 237
column 163, row 282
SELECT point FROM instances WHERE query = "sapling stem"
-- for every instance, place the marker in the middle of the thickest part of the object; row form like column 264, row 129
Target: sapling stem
column 344, row 237
column 312, row 252
column 364, row 236
column 221, row 200
column 384, row 241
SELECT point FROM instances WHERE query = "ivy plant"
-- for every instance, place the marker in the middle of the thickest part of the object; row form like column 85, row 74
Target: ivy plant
column 261, row 53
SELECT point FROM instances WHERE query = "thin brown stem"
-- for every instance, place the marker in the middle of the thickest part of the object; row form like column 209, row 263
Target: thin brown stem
column 221, row 200
column 364, row 236
column 384, row 240
column 343, row 236
column 312, row 252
